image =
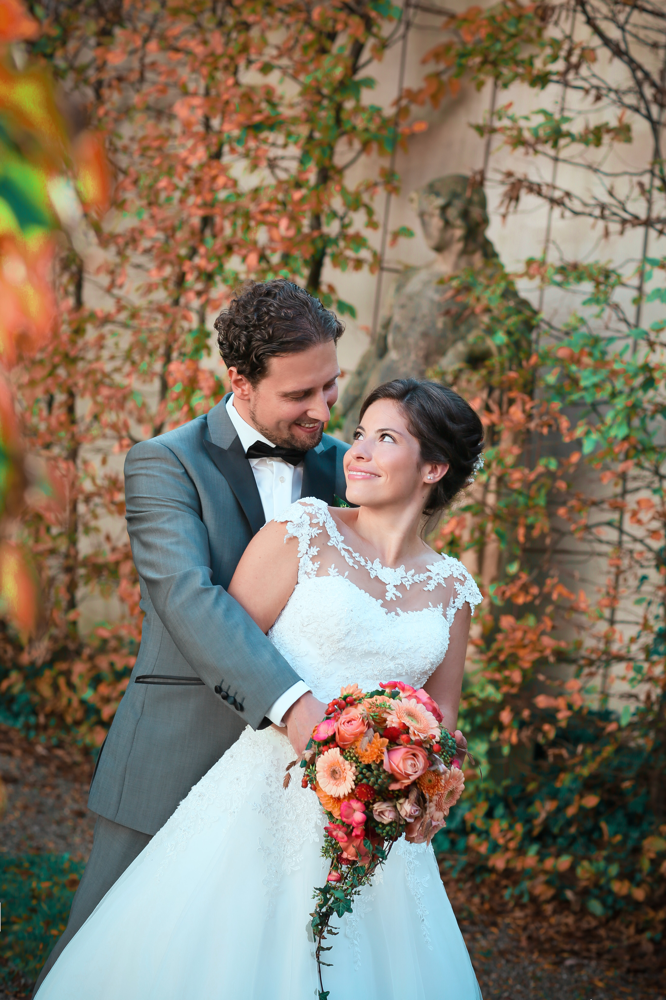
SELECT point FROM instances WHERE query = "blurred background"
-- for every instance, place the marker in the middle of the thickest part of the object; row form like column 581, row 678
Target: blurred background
column 480, row 193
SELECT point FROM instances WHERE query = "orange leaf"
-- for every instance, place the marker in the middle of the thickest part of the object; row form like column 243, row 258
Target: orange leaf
column 252, row 260
column 16, row 25
column 93, row 174
column 26, row 293
column 18, row 587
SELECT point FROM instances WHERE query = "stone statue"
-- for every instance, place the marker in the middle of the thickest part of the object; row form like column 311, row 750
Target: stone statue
column 428, row 325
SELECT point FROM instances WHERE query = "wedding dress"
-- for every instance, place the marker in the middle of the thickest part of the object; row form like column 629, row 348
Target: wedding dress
column 217, row 905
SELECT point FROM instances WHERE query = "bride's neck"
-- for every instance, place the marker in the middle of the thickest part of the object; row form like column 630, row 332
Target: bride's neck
column 392, row 532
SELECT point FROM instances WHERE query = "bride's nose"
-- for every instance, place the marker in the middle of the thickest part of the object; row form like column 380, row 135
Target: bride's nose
column 359, row 450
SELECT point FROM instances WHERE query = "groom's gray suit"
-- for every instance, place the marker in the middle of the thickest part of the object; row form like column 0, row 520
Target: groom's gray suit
column 204, row 669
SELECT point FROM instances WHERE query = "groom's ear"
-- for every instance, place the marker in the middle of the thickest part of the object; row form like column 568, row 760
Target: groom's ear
column 240, row 385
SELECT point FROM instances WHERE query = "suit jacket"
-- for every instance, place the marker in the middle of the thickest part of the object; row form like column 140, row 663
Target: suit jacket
column 204, row 670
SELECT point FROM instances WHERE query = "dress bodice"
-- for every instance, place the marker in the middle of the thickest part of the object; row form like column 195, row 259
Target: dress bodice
column 334, row 631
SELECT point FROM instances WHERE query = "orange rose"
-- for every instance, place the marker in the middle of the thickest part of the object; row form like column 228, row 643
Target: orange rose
column 350, row 726
column 406, row 764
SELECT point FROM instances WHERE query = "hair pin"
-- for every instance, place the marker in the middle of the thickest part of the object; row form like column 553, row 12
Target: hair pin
column 476, row 468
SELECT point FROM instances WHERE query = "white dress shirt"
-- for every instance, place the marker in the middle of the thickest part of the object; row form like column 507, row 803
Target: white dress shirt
column 279, row 485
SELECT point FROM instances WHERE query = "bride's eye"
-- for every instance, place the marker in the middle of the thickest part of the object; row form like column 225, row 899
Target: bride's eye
column 387, row 437
column 358, row 435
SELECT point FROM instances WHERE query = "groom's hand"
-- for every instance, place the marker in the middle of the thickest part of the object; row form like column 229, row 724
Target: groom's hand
column 301, row 719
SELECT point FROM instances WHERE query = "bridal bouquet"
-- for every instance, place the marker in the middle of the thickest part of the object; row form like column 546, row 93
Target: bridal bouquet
column 382, row 765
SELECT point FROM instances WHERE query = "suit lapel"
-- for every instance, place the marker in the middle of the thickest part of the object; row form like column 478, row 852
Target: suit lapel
column 319, row 474
column 227, row 452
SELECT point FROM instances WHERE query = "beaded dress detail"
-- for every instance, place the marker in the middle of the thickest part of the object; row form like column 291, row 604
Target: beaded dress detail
column 217, row 905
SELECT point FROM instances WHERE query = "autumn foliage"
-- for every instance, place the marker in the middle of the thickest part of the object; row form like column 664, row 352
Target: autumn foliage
column 233, row 131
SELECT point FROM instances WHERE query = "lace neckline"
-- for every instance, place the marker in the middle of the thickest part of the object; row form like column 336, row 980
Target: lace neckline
column 391, row 577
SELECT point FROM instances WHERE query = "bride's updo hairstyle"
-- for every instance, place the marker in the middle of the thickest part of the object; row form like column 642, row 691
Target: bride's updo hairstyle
column 446, row 427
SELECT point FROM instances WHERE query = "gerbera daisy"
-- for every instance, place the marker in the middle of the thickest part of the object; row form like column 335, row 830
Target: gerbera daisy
column 452, row 786
column 420, row 722
column 374, row 752
column 335, row 774
column 431, row 782
column 351, row 691
column 329, row 803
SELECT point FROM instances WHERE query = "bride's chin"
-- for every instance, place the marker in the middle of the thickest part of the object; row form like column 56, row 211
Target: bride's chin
column 362, row 494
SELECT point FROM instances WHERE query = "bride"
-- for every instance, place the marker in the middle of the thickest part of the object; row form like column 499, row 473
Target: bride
column 218, row 903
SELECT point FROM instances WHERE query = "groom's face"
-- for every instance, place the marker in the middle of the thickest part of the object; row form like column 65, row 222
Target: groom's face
column 293, row 401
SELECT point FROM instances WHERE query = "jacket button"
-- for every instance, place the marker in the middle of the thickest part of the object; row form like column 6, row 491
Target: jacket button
column 240, row 706
column 218, row 689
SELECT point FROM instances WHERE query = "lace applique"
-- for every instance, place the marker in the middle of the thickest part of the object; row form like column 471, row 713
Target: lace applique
column 416, row 858
column 333, row 632
column 302, row 524
column 284, row 813
column 363, row 905
column 307, row 517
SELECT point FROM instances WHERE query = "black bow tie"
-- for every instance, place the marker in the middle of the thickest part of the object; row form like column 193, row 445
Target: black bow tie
column 262, row 450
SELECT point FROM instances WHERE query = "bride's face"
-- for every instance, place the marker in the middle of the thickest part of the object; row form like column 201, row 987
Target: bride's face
column 384, row 464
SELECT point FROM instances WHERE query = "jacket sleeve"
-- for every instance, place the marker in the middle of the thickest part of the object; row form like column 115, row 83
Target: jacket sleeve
column 219, row 640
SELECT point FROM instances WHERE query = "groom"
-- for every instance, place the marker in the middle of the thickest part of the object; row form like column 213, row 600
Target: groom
column 195, row 497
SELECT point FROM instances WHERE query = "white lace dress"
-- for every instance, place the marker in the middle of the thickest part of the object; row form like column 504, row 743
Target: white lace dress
column 217, row 906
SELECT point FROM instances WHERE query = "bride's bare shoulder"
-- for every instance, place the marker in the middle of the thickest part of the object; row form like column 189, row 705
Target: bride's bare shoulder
column 273, row 544
column 266, row 574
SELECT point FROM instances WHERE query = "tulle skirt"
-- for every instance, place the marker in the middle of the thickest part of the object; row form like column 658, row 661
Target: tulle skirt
column 217, row 906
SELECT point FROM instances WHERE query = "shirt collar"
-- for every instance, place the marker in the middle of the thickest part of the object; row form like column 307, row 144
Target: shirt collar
column 247, row 434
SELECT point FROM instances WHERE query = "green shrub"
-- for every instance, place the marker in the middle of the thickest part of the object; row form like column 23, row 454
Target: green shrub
column 36, row 892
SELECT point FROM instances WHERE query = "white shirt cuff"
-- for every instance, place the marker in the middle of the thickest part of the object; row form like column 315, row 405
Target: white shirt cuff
column 279, row 708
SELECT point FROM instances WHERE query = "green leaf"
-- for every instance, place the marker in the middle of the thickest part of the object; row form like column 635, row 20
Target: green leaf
column 595, row 907
column 345, row 308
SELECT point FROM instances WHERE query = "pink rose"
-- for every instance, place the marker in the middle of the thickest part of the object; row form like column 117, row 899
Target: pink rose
column 422, row 830
column 353, row 812
column 324, row 730
column 385, row 812
column 334, row 877
column 406, row 764
column 350, row 726
column 428, row 703
column 409, row 807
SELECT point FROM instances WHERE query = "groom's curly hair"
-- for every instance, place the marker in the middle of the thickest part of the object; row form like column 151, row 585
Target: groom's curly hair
column 270, row 319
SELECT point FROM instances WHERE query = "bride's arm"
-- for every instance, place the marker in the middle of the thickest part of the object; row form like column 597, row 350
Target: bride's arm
column 266, row 575
column 262, row 584
column 445, row 685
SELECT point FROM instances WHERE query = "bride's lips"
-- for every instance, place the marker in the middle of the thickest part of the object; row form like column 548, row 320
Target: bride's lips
column 355, row 473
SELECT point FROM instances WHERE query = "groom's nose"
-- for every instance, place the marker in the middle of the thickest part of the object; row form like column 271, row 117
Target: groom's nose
column 318, row 408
